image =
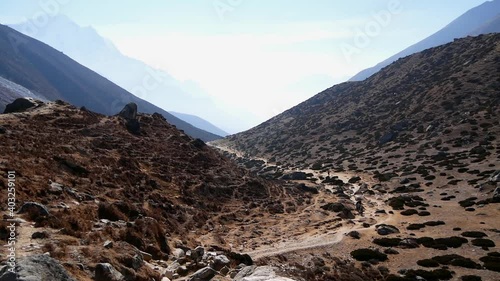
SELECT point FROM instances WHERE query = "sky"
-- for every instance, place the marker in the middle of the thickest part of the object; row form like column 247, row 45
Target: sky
column 254, row 58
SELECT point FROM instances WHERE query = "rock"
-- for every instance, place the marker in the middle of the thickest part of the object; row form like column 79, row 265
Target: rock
column 220, row 261
column 295, row 176
column 106, row 272
column 203, row 274
column 146, row 256
column 172, row 269
column 354, row 234
column 178, row 253
column 496, row 193
column 56, row 188
column 108, row 244
column 387, row 138
column 3, row 130
column 39, row 267
column 198, row 143
column 40, row 235
column 354, row 179
column 129, row 111
column 261, row 273
column 34, row 208
column 197, row 254
column 384, row 229
column 404, row 181
column 495, row 177
column 165, row 279
column 19, row 105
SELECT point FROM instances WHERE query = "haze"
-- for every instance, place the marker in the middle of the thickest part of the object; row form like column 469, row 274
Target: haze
column 254, row 59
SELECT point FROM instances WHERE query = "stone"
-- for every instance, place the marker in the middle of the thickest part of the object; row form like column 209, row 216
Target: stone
column 38, row 267
column 495, row 177
column 129, row 111
column 384, row 229
column 178, row 253
column 40, row 235
column 146, row 256
column 203, row 274
column 261, row 273
column 106, row 272
column 220, row 261
column 3, row 130
column 108, row 244
column 39, row 209
column 387, row 138
column 56, row 188
column 19, row 105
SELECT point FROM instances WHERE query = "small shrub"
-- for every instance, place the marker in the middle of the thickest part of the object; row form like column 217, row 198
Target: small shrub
column 481, row 242
column 368, row 254
column 474, row 234
column 428, row 263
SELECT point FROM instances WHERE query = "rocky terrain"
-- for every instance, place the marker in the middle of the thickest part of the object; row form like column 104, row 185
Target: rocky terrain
column 393, row 178
column 417, row 144
column 130, row 197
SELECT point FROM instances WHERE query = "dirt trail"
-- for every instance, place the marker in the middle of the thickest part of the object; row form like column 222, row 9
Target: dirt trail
column 301, row 241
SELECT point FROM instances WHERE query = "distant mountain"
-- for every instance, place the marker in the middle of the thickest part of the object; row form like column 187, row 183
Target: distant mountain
column 41, row 69
column 482, row 19
column 200, row 123
column 87, row 47
column 445, row 99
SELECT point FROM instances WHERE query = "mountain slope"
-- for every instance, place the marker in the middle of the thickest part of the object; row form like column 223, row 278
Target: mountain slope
column 409, row 103
column 480, row 20
column 86, row 46
column 42, row 69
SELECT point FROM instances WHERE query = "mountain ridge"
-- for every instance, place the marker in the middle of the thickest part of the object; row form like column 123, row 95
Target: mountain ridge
column 40, row 68
column 478, row 20
column 86, row 46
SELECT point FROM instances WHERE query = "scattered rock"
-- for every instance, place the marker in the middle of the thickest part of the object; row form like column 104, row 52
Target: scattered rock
column 39, row 267
column 106, row 272
column 40, row 235
column 203, row 274
column 261, row 273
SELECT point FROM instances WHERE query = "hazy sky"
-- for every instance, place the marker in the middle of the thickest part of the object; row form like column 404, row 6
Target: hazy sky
column 256, row 58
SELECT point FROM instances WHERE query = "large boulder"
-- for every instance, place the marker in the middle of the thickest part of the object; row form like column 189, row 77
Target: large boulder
column 203, row 274
column 39, row 267
column 129, row 111
column 19, row 105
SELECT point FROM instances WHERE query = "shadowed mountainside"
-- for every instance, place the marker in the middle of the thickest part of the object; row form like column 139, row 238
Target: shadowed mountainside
column 42, row 69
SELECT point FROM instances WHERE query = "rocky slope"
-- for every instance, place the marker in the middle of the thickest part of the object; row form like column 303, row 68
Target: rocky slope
column 53, row 75
column 417, row 144
column 129, row 197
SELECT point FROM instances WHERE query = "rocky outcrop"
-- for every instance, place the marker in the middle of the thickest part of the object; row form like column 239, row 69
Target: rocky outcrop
column 19, row 105
column 261, row 273
column 40, row 267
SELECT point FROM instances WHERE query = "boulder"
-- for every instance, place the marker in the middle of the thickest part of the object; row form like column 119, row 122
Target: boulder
column 129, row 111
column 39, row 267
column 261, row 273
column 203, row 274
column 220, row 261
column 106, row 272
column 33, row 207
column 133, row 126
column 19, row 105
column 385, row 229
